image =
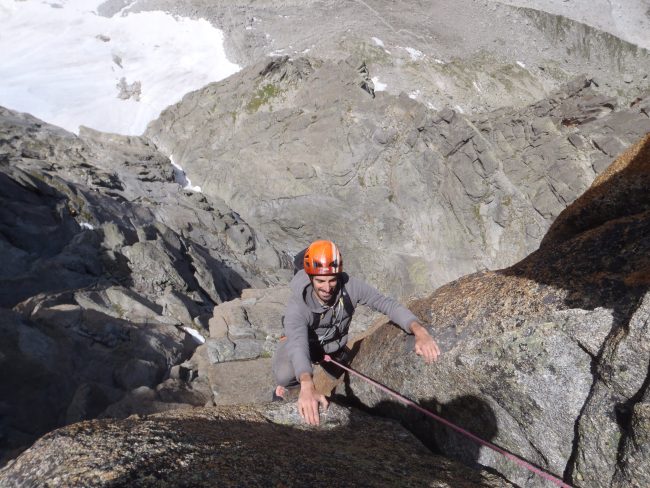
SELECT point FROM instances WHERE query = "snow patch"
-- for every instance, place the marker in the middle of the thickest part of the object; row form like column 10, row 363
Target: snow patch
column 414, row 53
column 521, row 64
column 86, row 225
column 378, row 41
column 414, row 94
column 379, row 86
column 58, row 64
column 181, row 178
column 439, row 61
column 459, row 109
column 194, row 333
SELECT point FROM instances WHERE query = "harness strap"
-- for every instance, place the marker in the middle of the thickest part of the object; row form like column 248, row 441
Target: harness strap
column 347, row 306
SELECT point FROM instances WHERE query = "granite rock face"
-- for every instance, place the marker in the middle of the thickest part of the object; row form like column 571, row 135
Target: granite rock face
column 418, row 195
column 238, row 446
column 110, row 202
column 107, row 262
column 548, row 358
column 477, row 56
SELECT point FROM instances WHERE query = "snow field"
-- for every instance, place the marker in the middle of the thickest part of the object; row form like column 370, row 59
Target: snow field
column 64, row 63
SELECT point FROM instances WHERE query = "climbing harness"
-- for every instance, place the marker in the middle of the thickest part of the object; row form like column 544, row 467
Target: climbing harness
column 334, row 331
column 411, row 403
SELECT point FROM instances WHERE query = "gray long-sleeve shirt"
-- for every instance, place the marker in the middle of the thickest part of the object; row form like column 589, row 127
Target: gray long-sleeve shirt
column 333, row 323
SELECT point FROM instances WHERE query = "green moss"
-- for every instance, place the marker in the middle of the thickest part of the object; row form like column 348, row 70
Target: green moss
column 263, row 96
column 119, row 310
column 476, row 210
column 370, row 53
column 418, row 271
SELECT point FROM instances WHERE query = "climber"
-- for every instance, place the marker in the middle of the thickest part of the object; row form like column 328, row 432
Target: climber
column 316, row 322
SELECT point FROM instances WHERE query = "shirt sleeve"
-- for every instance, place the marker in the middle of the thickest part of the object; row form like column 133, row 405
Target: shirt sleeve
column 361, row 292
column 296, row 323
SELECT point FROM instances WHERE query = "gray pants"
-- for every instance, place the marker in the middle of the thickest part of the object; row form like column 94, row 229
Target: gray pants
column 283, row 372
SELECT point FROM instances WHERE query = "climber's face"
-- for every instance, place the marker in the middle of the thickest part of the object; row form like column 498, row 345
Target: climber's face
column 325, row 287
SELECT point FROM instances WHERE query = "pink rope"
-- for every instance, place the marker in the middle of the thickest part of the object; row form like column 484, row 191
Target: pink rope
column 411, row 403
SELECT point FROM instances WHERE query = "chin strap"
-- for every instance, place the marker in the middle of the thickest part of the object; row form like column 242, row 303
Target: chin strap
column 411, row 403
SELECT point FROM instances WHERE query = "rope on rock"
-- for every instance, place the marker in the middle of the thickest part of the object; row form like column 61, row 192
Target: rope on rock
column 460, row 430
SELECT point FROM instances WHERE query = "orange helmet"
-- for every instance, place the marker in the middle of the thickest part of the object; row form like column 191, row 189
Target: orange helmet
column 323, row 258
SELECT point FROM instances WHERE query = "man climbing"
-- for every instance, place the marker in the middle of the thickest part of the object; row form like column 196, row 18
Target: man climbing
column 317, row 319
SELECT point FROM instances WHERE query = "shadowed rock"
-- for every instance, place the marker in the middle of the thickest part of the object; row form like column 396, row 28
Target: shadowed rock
column 238, row 446
column 106, row 263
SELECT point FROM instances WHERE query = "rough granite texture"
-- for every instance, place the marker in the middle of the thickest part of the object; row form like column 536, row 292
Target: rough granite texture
column 475, row 146
column 264, row 446
column 548, row 358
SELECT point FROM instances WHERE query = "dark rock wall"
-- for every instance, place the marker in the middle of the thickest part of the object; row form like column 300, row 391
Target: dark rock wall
column 105, row 259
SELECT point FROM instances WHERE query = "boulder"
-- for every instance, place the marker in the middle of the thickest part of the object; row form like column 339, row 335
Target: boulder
column 241, row 445
column 104, row 255
column 70, row 363
column 548, row 358
column 138, row 372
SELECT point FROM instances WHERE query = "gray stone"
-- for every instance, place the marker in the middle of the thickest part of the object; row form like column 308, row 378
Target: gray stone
column 141, row 401
column 601, row 433
column 220, row 350
column 459, row 163
column 218, row 281
column 138, row 372
column 89, row 401
column 180, row 392
column 256, row 444
column 548, row 358
column 114, row 237
column 632, row 471
column 590, row 338
column 100, row 216
column 203, row 321
column 121, row 303
column 154, row 267
column 248, row 348
column 609, row 145
column 178, row 306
